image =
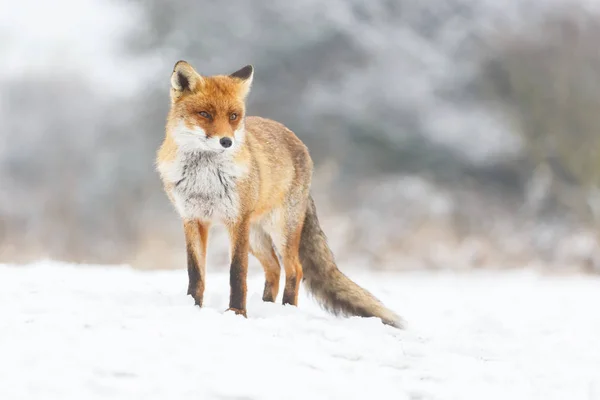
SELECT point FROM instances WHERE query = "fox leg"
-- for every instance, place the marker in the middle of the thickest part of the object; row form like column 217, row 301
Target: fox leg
column 261, row 246
column 285, row 227
column 196, row 239
column 293, row 269
column 239, row 237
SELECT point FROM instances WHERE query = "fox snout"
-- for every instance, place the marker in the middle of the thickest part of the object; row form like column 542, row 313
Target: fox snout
column 220, row 142
column 226, row 142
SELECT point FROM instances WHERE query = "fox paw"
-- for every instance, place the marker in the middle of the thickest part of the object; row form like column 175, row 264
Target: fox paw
column 237, row 311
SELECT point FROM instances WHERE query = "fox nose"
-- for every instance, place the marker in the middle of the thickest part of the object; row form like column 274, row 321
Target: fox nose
column 225, row 142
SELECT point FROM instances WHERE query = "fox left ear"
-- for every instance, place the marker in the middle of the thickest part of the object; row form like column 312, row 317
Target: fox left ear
column 245, row 75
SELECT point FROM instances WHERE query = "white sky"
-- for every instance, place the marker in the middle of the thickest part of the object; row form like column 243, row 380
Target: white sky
column 37, row 35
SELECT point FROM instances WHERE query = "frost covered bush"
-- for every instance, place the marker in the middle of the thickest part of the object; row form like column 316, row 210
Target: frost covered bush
column 413, row 159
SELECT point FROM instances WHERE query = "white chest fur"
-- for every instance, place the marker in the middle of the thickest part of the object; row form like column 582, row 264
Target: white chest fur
column 205, row 185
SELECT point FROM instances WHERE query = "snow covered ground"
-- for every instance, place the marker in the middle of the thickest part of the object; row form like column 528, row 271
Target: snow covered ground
column 92, row 332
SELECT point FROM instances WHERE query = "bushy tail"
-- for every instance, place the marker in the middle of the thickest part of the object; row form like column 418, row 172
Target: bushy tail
column 332, row 289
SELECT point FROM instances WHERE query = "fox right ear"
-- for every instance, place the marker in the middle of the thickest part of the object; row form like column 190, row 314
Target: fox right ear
column 184, row 79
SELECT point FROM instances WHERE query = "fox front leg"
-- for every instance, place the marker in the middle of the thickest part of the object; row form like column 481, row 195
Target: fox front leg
column 238, row 273
column 196, row 238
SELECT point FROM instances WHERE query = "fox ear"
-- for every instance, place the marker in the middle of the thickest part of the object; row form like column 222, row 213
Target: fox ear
column 245, row 76
column 184, row 79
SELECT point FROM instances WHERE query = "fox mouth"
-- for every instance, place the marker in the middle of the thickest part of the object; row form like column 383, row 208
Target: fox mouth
column 198, row 142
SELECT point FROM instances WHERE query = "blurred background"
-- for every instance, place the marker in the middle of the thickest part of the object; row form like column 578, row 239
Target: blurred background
column 447, row 134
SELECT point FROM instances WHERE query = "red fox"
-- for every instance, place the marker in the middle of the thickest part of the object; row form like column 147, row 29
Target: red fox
column 252, row 175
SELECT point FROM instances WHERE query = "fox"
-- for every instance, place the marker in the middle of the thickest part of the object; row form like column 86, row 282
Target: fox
column 252, row 175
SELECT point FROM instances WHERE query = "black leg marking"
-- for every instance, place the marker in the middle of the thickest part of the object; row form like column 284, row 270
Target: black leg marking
column 237, row 280
column 289, row 293
column 196, row 283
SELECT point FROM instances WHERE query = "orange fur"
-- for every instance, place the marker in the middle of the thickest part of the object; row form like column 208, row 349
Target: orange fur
column 251, row 174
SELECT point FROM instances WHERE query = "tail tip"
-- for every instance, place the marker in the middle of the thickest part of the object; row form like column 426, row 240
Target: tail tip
column 395, row 322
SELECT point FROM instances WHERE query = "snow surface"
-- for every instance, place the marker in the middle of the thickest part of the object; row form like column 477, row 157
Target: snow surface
column 94, row 332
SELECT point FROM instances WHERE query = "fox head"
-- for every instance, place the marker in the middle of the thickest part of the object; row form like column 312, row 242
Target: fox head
column 207, row 112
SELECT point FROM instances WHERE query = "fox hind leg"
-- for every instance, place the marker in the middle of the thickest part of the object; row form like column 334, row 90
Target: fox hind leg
column 285, row 227
column 293, row 269
column 261, row 246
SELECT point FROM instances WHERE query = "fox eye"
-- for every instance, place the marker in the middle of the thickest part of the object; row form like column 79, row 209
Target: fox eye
column 233, row 116
column 204, row 114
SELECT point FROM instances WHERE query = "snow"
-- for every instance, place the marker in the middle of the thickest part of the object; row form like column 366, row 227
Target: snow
column 95, row 332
